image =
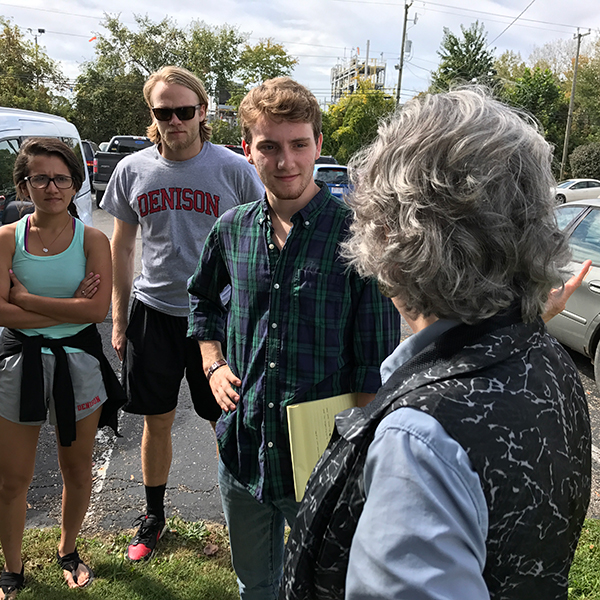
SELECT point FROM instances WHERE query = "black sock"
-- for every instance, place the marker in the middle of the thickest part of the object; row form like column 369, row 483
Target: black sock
column 155, row 501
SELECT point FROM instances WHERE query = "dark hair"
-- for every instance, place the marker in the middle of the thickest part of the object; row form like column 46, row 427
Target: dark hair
column 47, row 146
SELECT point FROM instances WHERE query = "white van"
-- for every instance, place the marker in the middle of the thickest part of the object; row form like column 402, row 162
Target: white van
column 17, row 125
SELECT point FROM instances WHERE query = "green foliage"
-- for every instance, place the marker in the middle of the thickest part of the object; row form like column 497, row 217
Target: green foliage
column 538, row 92
column 224, row 132
column 263, row 61
column 464, row 60
column 585, row 161
column 30, row 79
column 352, row 122
column 510, row 66
column 109, row 97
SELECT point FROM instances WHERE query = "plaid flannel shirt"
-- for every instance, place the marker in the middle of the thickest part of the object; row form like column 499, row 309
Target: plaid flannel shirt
column 300, row 326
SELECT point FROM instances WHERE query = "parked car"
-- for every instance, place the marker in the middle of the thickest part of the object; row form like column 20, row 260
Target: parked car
column 89, row 151
column 103, row 146
column 16, row 126
column 576, row 189
column 105, row 162
column 335, row 176
column 327, row 160
column 234, row 148
column 578, row 326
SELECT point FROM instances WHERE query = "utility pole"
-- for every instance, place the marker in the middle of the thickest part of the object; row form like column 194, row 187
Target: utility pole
column 367, row 60
column 571, row 102
column 35, row 37
column 407, row 6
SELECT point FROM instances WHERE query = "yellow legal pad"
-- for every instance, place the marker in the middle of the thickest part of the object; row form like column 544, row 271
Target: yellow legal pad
column 310, row 427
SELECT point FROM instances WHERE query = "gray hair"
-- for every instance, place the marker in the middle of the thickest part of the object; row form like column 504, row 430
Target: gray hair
column 453, row 209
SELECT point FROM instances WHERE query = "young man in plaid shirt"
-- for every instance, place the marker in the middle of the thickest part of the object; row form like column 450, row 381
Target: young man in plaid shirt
column 300, row 325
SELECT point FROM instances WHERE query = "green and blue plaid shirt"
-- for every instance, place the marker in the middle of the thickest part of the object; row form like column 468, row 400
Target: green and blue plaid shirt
column 300, row 326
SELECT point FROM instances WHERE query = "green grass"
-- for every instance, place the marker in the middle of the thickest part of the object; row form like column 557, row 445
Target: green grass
column 584, row 578
column 181, row 570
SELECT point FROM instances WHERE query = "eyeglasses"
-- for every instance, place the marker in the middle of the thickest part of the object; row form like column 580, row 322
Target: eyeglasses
column 183, row 113
column 40, row 182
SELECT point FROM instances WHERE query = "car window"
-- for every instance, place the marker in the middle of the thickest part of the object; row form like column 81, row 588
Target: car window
column 564, row 184
column 128, row 146
column 566, row 214
column 593, row 184
column 332, row 176
column 73, row 143
column 585, row 239
column 579, row 186
column 8, row 154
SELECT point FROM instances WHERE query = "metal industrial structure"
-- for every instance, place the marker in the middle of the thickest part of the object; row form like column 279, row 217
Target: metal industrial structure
column 345, row 76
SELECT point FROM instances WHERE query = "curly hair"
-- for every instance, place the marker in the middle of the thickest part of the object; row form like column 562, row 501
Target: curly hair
column 176, row 76
column 453, row 209
column 281, row 99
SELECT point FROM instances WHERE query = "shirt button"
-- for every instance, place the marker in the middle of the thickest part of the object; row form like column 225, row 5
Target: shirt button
column 274, row 325
column 270, row 444
column 307, row 223
column 272, row 365
column 271, row 246
column 276, row 286
column 271, row 405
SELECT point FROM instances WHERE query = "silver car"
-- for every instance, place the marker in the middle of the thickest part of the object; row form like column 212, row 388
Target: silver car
column 578, row 326
column 576, row 189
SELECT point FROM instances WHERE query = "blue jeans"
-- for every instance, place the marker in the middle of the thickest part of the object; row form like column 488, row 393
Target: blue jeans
column 256, row 537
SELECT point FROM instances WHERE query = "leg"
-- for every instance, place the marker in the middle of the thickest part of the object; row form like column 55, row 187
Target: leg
column 18, row 444
column 75, row 464
column 256, row 537
column 156, row 448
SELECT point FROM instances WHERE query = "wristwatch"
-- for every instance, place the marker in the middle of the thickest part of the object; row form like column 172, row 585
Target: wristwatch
column 214, row 367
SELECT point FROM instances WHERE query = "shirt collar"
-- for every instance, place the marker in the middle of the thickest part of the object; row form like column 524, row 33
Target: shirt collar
column 305, row 215
column 413, row 345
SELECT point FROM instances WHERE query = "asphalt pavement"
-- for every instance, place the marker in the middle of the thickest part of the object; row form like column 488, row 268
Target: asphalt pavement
column 192, row 489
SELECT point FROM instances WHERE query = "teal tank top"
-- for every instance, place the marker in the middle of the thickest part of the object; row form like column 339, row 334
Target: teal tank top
column 56, row 276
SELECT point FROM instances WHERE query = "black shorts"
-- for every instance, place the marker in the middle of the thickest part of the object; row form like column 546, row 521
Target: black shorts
column 158, row 354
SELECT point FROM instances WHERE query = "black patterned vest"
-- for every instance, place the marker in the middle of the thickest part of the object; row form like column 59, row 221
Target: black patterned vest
column 510, row 395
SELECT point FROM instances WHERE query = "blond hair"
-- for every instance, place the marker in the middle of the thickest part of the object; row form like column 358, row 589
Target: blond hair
column 176, row 76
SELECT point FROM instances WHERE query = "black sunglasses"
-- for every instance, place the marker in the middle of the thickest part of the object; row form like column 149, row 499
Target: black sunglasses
column 183, row 113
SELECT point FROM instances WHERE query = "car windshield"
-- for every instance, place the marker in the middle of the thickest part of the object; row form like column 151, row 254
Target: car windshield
column 338, row 176
column 565, row 184
column 565, row 214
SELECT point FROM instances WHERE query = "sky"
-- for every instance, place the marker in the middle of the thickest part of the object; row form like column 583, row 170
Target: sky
column 319, row 33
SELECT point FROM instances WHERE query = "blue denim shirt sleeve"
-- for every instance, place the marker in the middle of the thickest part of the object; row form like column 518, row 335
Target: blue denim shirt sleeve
column 423, row 529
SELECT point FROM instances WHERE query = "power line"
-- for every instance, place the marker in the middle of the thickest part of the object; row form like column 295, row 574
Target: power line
column 510, row 24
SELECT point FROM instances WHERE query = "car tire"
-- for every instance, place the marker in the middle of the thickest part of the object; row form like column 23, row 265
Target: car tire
column 597, row 366
column 99, row 196
column 560, row 199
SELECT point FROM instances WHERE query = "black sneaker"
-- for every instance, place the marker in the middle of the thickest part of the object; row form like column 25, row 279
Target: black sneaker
column 144, row 541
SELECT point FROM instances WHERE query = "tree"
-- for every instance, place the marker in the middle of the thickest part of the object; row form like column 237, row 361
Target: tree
column 109, row 91
column 585, row 161
column 510, row 66
column 538, row 92
column 464, row 60
column 30, row 79
column 224, row 132
column 352, row 122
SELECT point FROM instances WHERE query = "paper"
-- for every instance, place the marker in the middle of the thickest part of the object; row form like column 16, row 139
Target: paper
column 310, row 427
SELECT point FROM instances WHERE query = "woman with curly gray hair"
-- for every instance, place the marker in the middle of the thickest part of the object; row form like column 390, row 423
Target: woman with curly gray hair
column 468, row 477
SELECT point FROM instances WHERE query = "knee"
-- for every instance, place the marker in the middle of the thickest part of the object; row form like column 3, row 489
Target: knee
column 13, row 486
column 159, row 425
column 77, row 475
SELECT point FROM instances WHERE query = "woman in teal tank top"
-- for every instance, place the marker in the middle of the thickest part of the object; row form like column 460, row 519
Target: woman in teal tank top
column 55, row 280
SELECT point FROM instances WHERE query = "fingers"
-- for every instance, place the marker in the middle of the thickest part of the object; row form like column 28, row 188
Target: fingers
column 88, row 286
column 222, row 383
column 577, row 280
column 118, row 343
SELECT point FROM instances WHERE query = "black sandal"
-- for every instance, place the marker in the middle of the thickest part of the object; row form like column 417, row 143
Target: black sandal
column 11, row 583
column 70, row 562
